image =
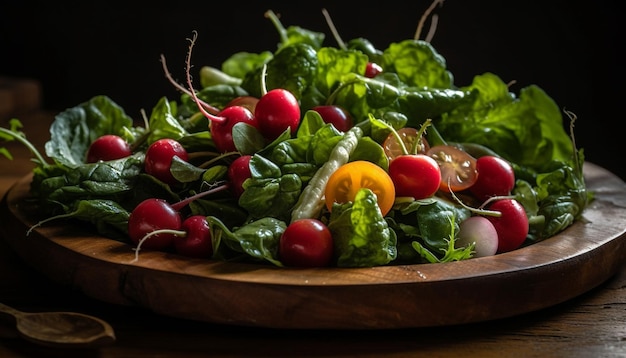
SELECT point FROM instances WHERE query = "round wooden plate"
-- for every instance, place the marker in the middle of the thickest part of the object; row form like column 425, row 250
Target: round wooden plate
column 524, row 280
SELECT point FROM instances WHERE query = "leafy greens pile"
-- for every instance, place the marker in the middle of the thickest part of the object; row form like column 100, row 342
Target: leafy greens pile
column 483, row 117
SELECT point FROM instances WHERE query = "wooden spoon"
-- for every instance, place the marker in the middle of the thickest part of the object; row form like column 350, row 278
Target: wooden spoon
column 61, row 329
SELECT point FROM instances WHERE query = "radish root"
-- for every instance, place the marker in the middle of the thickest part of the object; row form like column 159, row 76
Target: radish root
column 434, row 21
column 153, row 233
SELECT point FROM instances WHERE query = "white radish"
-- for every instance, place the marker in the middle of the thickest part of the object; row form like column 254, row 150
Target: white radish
column 480, row 231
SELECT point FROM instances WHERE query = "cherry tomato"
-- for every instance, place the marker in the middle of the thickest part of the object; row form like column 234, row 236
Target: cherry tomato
column 408, row 135
column 238, row 172
column 346, row 181
column 495, row 177
column 108, row 147
column 335, row 115
column 306, row 243
column 159, row 158
column 458, row 168
column 416, row 175
column 512, row 225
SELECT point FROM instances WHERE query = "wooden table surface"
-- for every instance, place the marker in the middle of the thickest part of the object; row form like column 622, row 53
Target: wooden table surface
column 591, row 325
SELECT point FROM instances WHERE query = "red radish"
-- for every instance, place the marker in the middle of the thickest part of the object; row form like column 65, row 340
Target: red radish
column 495, row 178
column 306, row 243
column 372, row 70
column 221, row 122
column 276, row 111
column 154, row 223
column 159, row 158
column 480, row 231
column 151, row 215
column 245, row 101
column 221, row 127
column 335, row 115
column 511, row 225
column 108, row 147
column 238, row 172
column 196, row 240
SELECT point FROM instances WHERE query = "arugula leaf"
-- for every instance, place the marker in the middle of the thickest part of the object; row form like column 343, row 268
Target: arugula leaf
column 450, row 252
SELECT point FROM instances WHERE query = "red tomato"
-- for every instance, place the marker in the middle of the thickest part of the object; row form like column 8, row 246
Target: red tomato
column 415, row 175
column 346, row 181
column 495, row 178
column 408, row 135
column 458, row 168
column 512, row 225
column 306, row 243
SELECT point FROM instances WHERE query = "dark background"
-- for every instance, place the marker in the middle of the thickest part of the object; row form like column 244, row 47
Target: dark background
column 567, row 48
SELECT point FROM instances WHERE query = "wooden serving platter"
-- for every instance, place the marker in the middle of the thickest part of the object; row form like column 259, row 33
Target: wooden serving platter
column 427, row 295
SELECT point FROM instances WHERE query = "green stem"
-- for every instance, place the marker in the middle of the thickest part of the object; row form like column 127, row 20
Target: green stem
column 24, row 141
column 278, row 25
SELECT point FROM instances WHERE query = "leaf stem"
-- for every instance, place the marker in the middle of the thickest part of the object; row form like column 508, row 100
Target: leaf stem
column 22, row 139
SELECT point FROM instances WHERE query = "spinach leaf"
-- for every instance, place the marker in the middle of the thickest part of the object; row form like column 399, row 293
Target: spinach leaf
column 258, row 240
column 269, row 192
column 292, row 68
column 74, row 129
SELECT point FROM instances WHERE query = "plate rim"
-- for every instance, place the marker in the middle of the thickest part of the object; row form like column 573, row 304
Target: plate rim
column 408, row 280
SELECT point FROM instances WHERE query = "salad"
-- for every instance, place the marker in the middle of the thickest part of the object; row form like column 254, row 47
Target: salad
column 318, row 155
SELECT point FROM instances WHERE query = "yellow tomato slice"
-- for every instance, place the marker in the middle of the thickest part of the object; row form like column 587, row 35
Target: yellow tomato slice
column 346, row 181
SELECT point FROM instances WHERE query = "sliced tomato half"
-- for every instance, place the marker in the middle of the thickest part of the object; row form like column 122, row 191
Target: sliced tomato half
column 458, row 168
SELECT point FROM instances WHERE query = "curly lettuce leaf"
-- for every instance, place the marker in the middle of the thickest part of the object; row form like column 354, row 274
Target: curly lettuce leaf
column 417, row 64
column 361, row 235
column 527, row 130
